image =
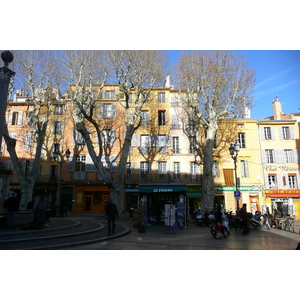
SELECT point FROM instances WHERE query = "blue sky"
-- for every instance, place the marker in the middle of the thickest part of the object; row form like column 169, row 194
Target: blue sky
column 277, row 74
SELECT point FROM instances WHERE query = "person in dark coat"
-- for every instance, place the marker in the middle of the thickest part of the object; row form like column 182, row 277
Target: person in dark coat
column 111, row 212
column 39, row 208
column 12, row 206
column 244, row 217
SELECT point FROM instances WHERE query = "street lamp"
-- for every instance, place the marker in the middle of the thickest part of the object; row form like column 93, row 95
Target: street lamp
column 57, row 154
column 234, row 151
column 5, row 75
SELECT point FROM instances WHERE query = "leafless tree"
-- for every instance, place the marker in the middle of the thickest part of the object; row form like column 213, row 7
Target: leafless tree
column 214, row 85
column 36, row 72
column 135, row 73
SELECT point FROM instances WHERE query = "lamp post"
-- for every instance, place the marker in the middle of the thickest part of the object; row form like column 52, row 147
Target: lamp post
column 57, row 154
column 5, row 75
column 234, row 151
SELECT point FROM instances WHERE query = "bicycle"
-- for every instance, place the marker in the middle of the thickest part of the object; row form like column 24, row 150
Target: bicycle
column 289, row 224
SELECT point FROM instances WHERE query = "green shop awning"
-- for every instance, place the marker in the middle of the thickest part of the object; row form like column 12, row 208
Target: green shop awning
column 162, row 188
column 194, row 192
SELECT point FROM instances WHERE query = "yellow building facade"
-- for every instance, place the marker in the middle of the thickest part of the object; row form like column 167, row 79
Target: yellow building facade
column 249, row 168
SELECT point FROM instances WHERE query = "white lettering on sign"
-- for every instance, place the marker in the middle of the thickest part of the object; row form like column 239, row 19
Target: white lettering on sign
column 162, row 190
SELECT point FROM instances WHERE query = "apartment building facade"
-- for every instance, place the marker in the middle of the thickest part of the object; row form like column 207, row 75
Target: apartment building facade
column 163, row 165
column 249, row 170
column 280, row 144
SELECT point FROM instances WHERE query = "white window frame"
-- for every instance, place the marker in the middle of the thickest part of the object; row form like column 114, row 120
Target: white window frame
column 289, row 156
column 175, row 144
column 242, row 139
column 292, row 179
column 270, row 156
column 245, row 169
column 176, row 170
column 267, row 133
column 161, row 97
column 286, row 133
column 80, row 163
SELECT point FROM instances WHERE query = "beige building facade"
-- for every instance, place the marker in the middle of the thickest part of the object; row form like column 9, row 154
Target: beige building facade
column 280, row 144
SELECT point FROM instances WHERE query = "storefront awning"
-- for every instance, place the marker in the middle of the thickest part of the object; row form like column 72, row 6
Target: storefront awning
column 194, row 192
column 283, row 195
column 161, row 188
column 194, row 195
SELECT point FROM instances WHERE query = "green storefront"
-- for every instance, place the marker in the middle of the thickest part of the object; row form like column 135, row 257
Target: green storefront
column 156, row 196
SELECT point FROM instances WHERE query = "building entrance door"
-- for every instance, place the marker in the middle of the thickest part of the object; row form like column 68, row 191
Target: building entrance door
column 88, row 199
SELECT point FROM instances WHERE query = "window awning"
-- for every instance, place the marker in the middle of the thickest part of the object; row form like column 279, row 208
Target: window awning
column 194, row 195
column 162, row 188
column 194, row 192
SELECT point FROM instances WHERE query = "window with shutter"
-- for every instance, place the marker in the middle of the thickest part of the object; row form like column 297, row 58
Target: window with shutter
column 269, row 156
column 286, row 133
column 244, row 168
column 292, row 181
column 267, row 133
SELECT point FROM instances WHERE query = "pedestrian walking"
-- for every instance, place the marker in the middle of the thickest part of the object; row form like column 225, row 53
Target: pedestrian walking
column 12, row 206
column 39, row 208
column 244, row 217
column 111, row 212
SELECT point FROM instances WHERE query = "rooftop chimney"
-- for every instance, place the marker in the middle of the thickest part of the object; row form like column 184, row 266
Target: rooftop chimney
column 167, row 81
column 277, row 109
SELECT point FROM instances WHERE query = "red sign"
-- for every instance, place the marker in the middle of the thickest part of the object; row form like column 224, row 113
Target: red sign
column 283, row 193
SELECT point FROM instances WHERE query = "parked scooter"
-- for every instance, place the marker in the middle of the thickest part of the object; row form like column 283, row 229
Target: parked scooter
column 199, row 217
column 259, row 220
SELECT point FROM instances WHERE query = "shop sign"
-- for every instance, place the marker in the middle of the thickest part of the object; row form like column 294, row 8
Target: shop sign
column 283, row 193
column 281, row 168
column 241, row 188
column 162, row 188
